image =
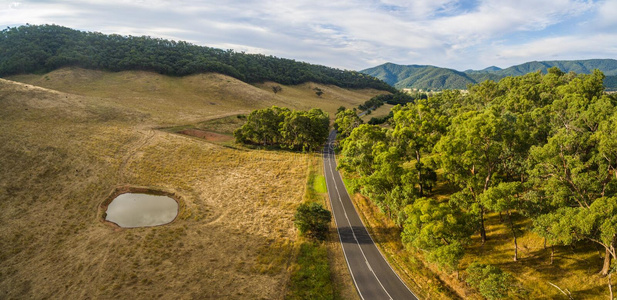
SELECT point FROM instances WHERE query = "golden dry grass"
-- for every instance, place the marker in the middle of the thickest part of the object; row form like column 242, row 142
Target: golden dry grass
column 196, row 97
column 65, row 150
column 381, row 111
column 574, row 268
column 332, row 98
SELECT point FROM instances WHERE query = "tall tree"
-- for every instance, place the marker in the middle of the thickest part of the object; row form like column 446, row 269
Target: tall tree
column 262, row 126
column 305, row 130
column 470, row 155
column 505, row 198
column 437, row 228
column 346, row 121
column 360, row 149
column 417, row 128
column 574, row 172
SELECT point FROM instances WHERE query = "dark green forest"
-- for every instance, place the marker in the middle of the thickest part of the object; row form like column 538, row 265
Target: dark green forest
column 43, row 48
column 540, row 147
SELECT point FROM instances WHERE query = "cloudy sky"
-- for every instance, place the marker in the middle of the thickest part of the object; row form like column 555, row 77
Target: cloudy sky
column 353, row 34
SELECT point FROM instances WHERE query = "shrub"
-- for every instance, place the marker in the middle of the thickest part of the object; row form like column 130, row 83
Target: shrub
column 312, row 220
column 491, row 281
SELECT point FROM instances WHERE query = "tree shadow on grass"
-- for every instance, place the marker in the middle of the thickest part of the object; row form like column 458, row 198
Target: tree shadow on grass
column 593, row 292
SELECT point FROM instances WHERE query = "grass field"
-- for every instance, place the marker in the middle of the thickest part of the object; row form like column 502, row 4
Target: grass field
column 321, row 271
column 381, row 111
column 69, row 143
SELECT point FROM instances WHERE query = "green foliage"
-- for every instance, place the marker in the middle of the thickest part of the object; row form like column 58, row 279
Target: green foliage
column 393, row 99
column 381, row 120
column 302, row 130
column 573, row 173
column 360, row 147
column 491, row 281
column 417, row 128
column 311, row 279
column 346, row 121
column 502, row 197
column 539, row 145
column 42, row 48
column 438, row 229
column 389, row 185
column 262, row 126
column 313, row 220
column 296, row 130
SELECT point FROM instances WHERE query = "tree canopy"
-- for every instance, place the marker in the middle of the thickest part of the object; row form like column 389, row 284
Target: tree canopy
column 291, row 129
column 538, row 146
column 313, row 220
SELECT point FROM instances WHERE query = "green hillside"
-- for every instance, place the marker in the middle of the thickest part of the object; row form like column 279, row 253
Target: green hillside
column 436, row 78
column 607, row 66
column 419, row 76
column 44, row 48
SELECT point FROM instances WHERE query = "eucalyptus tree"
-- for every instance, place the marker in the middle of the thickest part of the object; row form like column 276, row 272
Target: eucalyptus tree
column 574, row 172
column 491, row 281
column 417, row 128
column 304, row 130
column 346, row 121
column 506, row 198
column 389, row 186
column 368, row 153
column 360, row 149
column 262, row 126
column 438, row 229
column 470, row 155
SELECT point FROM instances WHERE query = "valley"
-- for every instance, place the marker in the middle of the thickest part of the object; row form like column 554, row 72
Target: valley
column 504, row 190
column 72, row 136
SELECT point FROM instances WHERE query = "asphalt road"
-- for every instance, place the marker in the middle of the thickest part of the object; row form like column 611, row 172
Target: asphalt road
column 371, row 273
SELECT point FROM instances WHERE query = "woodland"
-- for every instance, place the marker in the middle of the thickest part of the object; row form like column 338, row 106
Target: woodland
column 540, row 147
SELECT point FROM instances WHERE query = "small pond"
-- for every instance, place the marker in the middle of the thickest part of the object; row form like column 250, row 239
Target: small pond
column 140, row 210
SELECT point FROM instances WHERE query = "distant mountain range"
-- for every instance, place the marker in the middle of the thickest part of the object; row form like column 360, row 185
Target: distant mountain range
column 436, row 78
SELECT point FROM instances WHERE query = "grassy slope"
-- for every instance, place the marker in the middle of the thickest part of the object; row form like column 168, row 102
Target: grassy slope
column 381, row 111
column 196, row 97
column 64, row 152
column 332, row 98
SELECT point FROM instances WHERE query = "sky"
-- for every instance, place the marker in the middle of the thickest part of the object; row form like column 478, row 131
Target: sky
column 353, row 34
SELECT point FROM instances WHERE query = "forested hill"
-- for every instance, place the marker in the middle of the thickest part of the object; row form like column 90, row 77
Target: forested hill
column 43, row 48
column 436, row 78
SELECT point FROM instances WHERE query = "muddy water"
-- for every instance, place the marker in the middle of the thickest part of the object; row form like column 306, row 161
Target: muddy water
column 140, row 210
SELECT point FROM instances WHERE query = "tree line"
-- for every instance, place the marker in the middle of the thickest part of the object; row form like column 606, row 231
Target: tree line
column 392, row 99
column 285, row 128
column 540, row 147
column 43, row 48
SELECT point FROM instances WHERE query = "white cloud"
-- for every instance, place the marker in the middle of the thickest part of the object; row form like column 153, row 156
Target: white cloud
column 607, row 13
column 350, row 34
column 564, row 47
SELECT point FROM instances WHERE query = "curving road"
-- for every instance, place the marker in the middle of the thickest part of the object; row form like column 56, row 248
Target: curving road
column 371, row 273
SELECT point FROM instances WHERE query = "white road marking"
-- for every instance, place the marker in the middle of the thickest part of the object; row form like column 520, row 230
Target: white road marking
column 352, row 231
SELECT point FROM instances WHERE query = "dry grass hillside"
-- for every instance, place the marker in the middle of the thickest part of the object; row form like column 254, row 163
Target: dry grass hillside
column 67, row 144
column 194, row 97
column 381, row 111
